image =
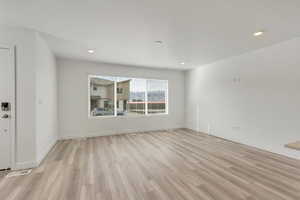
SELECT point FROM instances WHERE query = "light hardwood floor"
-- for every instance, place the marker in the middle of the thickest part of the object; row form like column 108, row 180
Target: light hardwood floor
column 166, row 165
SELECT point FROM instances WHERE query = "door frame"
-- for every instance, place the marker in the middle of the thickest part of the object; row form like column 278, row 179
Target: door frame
column 12, row 124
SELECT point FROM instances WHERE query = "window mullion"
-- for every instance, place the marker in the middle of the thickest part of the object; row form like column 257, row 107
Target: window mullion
column 146, row 98
column 115, row 98
column 167, row 99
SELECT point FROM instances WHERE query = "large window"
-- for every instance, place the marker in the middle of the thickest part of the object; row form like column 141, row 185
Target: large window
column 102, row 96
column 120, row 96
column 156, row 96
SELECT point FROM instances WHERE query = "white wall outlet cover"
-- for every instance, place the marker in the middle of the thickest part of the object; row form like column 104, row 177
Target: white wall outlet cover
column 236, row 128
column 208, row 129
column 236, row 79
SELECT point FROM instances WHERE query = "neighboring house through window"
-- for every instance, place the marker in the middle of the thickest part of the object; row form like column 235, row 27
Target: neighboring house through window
column 120, row 96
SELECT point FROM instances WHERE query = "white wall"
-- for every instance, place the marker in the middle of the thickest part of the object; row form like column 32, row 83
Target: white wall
column 252, row 99
column 25, row 94
column 46, row 99
column 36, row 95
column 73, row 100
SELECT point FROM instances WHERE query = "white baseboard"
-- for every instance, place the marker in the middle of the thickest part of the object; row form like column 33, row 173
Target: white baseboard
column 109, row 133
column 25, row 165
column 287, row 153
column 33, row 164
column 45, row 152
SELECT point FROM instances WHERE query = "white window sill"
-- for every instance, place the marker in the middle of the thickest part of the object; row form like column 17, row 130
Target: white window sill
column 132, row 116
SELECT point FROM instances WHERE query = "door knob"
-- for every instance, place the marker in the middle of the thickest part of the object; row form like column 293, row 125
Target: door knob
column 5, row 116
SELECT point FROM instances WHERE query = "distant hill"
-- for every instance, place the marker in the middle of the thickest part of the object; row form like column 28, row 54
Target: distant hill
column 152, row 96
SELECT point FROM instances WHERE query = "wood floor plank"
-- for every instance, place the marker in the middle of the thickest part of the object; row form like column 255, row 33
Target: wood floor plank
column 176, row 164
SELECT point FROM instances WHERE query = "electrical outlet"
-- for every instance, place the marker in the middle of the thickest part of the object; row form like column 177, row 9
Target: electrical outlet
column 209, row 129
column 236, row 80
column 236, row 128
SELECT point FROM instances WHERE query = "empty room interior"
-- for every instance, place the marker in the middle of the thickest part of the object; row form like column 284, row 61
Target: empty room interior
column 149, row 100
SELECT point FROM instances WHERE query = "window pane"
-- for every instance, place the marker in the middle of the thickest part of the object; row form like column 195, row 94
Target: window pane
column 102, row 96
column 123, row 93
column 157, row 96
column 131, row 96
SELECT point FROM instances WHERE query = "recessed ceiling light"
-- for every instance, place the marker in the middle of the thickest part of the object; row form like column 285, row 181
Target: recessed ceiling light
column 158, row 42
column 182, row 63
column 91, row 51
column 258, row 33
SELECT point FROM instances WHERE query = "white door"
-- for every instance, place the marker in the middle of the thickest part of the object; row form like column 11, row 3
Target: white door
column 7, row 107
